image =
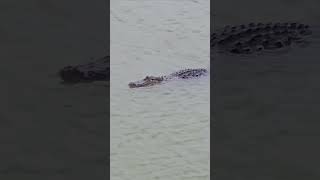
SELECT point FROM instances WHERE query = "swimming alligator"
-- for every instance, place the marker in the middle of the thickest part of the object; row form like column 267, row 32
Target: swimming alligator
column 257, row 37
column 239, row 39
column 182, row 74
column 98, row 70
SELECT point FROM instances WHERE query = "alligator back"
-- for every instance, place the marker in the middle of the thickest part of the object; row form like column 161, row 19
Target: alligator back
column 189, row 73
column 255, row 37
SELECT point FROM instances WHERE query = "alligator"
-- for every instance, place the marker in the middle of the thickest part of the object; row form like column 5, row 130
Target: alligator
column 182, row 74
column 97, row 70
column 239, row 39
column 257, row 37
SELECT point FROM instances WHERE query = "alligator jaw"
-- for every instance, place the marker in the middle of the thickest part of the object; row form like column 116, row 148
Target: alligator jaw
column 142, row 83
column 134, row 85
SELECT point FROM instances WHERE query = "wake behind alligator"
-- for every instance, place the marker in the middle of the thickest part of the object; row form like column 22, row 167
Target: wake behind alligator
column 240, row 39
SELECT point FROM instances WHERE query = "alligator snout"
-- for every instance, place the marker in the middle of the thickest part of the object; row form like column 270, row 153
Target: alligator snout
column 70, row 74
column 147, row 81
column 133, row 85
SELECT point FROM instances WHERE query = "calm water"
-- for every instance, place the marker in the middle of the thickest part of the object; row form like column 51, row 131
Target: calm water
column 159, row 132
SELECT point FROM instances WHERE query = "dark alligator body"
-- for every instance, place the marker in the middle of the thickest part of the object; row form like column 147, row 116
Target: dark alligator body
column 257, row 37
column 182, row 74
column 240, row 39
column 97, row 70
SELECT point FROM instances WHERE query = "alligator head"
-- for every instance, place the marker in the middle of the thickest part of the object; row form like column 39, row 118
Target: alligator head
column 147, row 81
column 97, row 70
column 71, row 74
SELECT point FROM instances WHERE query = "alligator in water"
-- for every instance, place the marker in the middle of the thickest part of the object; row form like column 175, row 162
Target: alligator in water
column 256, row 37
column 98, row 70
column 239, row 39
column 182, row 74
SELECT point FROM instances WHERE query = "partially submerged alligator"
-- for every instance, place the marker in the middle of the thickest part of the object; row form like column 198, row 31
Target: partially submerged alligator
column 239, row 39
column 182, row 74
column 98, row 70
column 255, row 37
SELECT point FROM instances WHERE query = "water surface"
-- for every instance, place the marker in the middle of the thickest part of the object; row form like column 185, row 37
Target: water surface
column 159, row 132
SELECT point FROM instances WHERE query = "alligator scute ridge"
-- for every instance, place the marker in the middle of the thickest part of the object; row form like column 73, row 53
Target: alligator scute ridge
column 239, row 39
column 257, row 37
